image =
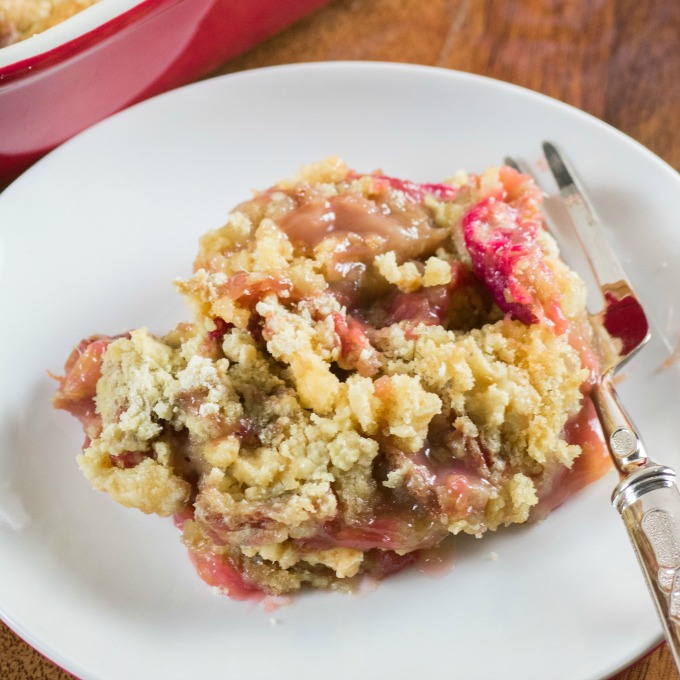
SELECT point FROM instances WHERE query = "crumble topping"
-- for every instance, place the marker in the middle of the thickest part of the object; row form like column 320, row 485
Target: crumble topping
column 372, row 365
column 20, row 19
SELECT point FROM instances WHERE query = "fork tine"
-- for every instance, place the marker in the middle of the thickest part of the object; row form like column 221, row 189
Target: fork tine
column 604, row 263
column 566, row 179
column 512, row 163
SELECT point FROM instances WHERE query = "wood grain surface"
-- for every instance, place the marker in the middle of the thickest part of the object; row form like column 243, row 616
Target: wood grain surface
column 616, row 59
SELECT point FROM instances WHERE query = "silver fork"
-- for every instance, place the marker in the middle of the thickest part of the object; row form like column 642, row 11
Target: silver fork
column 647, row 496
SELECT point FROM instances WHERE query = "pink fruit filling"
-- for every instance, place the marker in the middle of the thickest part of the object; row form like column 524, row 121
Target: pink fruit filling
column 78, row 386
column 506, row 256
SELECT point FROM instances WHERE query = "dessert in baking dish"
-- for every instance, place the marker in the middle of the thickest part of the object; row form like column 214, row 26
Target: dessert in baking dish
column 20, row 19
column 373, row 364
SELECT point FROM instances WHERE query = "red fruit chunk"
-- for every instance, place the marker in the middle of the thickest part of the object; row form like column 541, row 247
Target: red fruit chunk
column 218, row 571
column 520, row 191
column 85, row 411
column 179, row 519
column 255, row 328
column 437, row 305
column 387, row 532
column 507, row 258
column 462, row 494
column 83, row 370
column 128, row 459
column 248, row 288
column 416, row 192
column 78, row 387
column 427, row 306
column 378, row 532
column 353, row 341
column 213, row 340
column 248, row 433
column 383, row 563
column 351, row 333
column 221, row 329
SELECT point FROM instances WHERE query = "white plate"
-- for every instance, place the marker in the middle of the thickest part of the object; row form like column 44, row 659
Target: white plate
column 91, row 238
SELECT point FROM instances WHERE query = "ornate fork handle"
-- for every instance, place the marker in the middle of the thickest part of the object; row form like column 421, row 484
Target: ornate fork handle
column 647, row 496
column 649, row 503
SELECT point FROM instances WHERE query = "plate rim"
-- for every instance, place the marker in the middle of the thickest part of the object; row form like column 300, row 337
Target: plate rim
column 451, row 75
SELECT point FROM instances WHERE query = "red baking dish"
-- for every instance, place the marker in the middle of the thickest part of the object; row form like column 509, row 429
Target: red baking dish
column 113, row 54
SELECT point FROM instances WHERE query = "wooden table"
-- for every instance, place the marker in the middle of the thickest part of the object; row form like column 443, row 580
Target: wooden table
column 616, row 59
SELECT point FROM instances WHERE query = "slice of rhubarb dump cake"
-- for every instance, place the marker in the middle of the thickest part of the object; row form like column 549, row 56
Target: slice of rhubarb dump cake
column 373, row 364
